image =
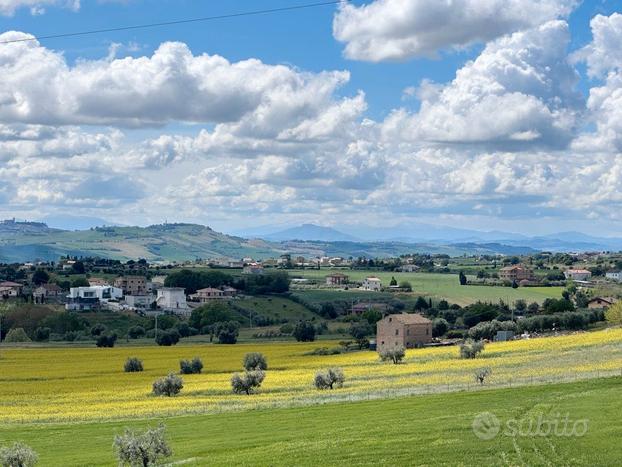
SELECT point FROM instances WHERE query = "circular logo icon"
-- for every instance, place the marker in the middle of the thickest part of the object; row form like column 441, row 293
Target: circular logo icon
column 486, row 426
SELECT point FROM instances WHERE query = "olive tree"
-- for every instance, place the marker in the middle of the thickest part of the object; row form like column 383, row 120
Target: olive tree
column 482, row 374
column 255, row 361
column 142, row 449
column 246, row 383
column 169, row 386
column 393, row 355
column 133, row 365
column 191, row 367
column 329, row 378
column 18, row 455
column 471, row 348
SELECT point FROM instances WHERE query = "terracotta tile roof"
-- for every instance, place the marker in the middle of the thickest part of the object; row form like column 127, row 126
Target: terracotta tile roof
column 407, row 318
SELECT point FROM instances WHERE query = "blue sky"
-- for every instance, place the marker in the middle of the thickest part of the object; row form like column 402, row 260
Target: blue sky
column 437, row 116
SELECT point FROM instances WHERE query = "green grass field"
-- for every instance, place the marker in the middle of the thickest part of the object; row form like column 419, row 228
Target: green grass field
column 445, row 286
column 420, row 430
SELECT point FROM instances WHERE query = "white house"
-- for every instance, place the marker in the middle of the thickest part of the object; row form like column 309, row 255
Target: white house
column 372, row 283
column 253, row 268
column 578, row 274
column 614, row 276
column 172, row 299
column 89, row 298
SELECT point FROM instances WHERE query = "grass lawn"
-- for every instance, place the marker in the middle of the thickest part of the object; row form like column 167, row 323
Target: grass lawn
column 419, row 430
column 444, row 286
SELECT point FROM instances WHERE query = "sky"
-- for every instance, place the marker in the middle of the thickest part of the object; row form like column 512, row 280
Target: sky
column 481, row 114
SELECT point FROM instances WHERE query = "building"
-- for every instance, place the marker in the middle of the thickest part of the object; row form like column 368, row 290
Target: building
column 409, row 268
column 403, row 330
column 46, row 292
column 172, row 299
column 91, row 298
column 614, row 276
column 337, row 278
column 10, row 289
column 372, row 283
column 139, row 302
column 601, row 302
column 132, row 285
column 578, row 274
column 253, row 268
column 98, row 281
column 207, row 295
column 229, row 291
column 517, row 273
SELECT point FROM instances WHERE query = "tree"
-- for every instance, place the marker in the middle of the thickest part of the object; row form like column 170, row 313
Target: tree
column 533, row 308
column 106, row 340
column 304, row 331
column 421, row 304
column 372, row 316
column 80, row 282
column 329, row 378
column 443, row 305
column 393, row 282
column 142, row 449
column 462, row 278
column 407, row 286
column 393, row 355
column 78, row 268
column 520, row 305
column 169, row 386
column 135, row 332
column 42, row 334
column 16, row 335
column 40, row 276
column 133, row 365
column 360, row 331
column 471, row 348
column 480, row 311
column 167, row 338
column 514, row 284
column 210, row 314
column 18, row 455
column 227, row 332
column 255, row 361
column 98, row 329
column 327, row 310
column 613, row 315
column 247, row 383
column 439, row 327
column 191, row 367
column 482, row 374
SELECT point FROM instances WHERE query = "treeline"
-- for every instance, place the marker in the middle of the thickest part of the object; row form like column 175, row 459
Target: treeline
column 260, row 284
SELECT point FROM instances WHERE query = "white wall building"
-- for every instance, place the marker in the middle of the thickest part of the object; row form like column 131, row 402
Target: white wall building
column 90, row 298
column 172, row 299
column 614, row 275
column 372, row 283
column 578, row 274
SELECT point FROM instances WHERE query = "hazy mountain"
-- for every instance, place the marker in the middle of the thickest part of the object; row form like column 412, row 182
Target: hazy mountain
column 310, row 232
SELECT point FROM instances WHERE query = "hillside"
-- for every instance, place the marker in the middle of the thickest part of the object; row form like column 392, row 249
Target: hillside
column 172, row 242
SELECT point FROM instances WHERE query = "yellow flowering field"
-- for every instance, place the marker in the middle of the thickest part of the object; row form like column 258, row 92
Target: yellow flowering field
column 84, row 384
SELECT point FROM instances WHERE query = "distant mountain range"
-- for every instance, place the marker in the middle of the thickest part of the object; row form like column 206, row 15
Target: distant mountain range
column 418, row 233
column 27, row 241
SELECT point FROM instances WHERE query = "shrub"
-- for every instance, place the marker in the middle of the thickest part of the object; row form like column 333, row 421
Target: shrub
column 489, row 329
column 16, row 335
column 191, row 367
column 185, row 330
column 246, row 383
column 142, row 449
column 470, row 348
column 325, row 351
column 255, row 361
column 135, row 332
column 304, row 331
column 106, row 340
column 393, row 355
column 42, row 334
column 482, row 374
column 286, row 329
column 455, row 334
column 167, row 338
column 133, row 365
column 328, row 379
column 168, row 386
column 18, row 455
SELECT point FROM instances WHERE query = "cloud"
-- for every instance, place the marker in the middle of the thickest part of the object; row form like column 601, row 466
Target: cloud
column 402, row 29
column 604, row 53
column 172, row 85
column 519, row 91
column 37, row 7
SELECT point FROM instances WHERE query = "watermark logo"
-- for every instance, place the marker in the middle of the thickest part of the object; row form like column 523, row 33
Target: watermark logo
column 487, row 426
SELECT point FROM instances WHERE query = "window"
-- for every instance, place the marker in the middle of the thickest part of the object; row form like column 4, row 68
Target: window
column 427, row 331
column 408, row 332
column 397, row 332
